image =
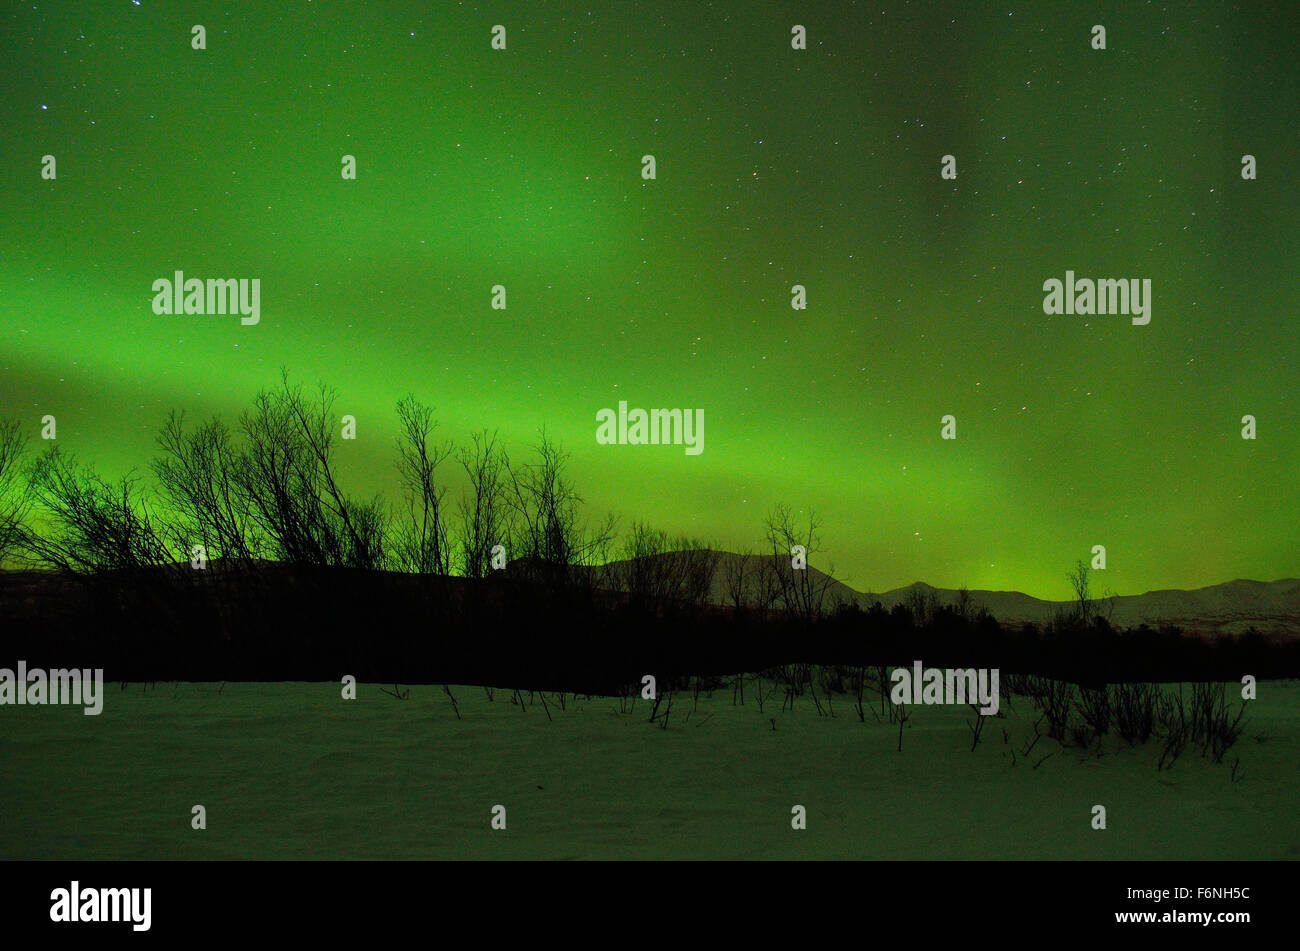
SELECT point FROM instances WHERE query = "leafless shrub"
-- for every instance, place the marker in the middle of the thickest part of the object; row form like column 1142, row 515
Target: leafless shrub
column 1134, row 708
column 859, row 683
column 1057, row 698
column 454, row 705
column 1171, row 718
column 902, row 714
column 1211, row 728
column 977, row 727
column 882, row 687
column 1094, row 706
column 667, row 711
column 759, row 693
column 812, row 690
column 1030, row 744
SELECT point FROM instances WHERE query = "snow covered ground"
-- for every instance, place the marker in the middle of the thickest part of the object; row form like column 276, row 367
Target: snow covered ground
column 292, row 770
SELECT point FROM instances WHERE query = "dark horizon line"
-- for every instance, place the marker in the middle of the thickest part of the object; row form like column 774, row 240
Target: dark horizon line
column 866, row 594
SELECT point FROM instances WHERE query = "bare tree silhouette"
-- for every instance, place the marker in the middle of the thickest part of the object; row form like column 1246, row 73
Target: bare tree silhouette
column 286, row 476
column 484, row 514
column 91, row 526
column 421, row 544
column 659, row 568
column 922, row 605
column 548, row 531
column 799, row 593
column 14, row 498
column 1078, row 579
column 738, row 576
column 196, row 475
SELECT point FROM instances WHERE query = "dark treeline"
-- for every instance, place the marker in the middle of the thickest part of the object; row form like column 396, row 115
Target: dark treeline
column 281, row 622
column 246, row 558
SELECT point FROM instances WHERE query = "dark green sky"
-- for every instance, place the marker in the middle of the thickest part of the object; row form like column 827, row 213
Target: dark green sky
column 522, row 167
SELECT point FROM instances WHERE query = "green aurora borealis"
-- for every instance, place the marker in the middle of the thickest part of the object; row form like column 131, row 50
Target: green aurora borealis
column 775, row 167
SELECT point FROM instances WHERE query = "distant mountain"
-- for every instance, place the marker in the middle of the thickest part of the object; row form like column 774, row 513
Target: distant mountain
column 1271, row 607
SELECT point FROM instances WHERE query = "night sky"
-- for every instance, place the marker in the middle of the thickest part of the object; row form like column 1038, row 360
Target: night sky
column 775, row 167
